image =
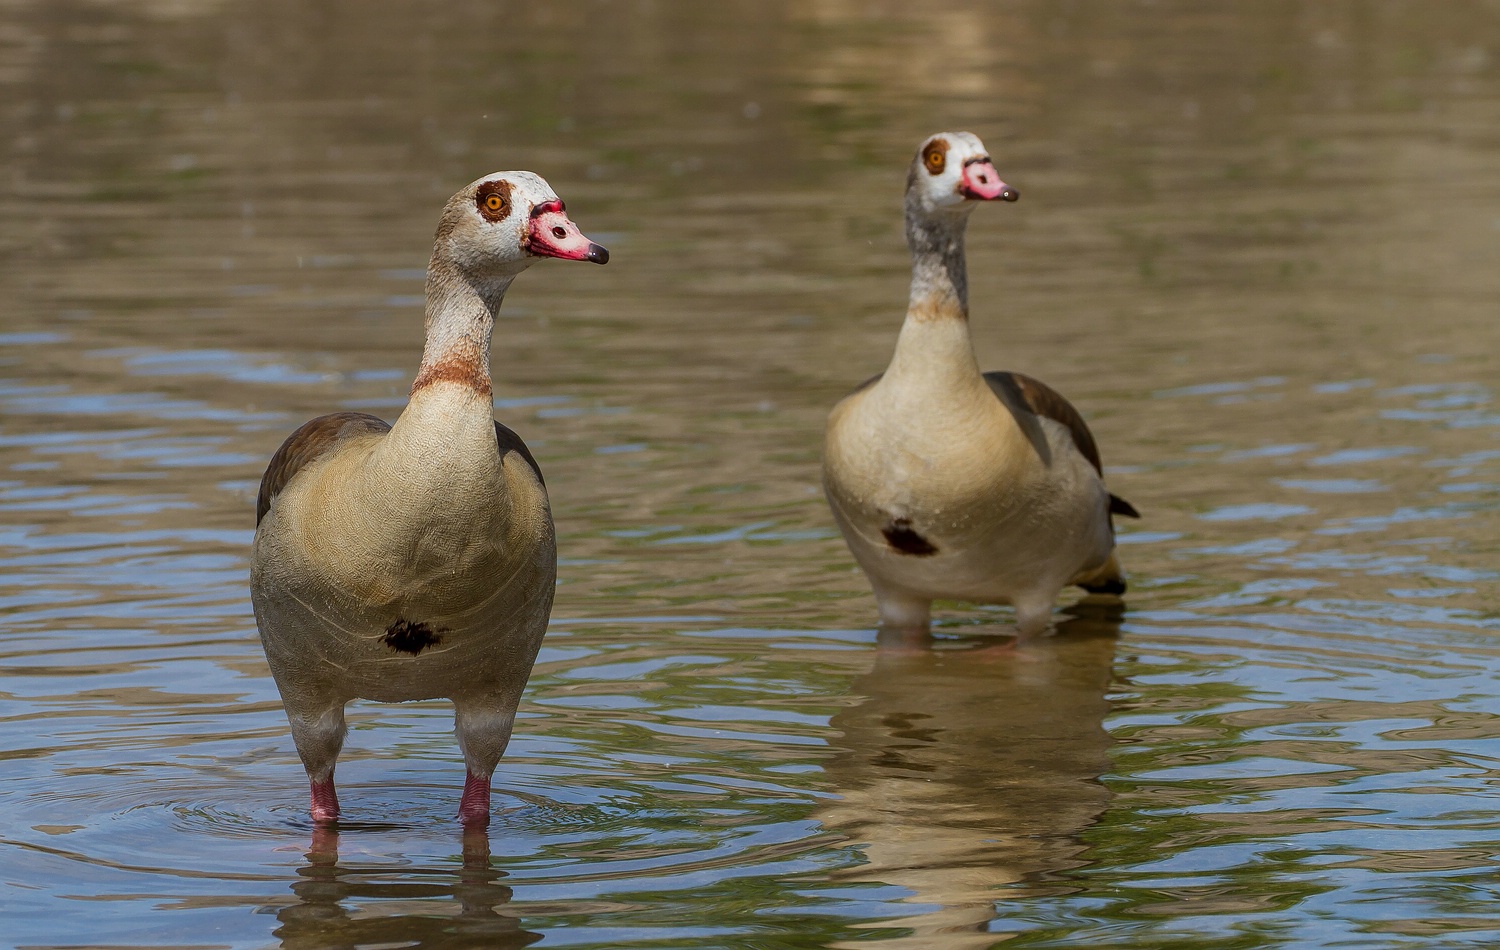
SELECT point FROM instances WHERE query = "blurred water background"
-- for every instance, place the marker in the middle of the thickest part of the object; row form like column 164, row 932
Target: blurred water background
column 1259, row 247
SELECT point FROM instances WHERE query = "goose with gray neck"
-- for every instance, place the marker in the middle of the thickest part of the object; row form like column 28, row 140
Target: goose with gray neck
column 952, row 483
column 417, row 560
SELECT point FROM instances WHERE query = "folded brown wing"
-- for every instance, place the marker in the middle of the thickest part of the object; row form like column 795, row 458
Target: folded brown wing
column 510, row 442
column 1022, row 393
column 305, row 445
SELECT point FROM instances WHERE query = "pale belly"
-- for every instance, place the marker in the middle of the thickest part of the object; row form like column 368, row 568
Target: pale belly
column 402, row 621
column 403, row 652
column 944, row 520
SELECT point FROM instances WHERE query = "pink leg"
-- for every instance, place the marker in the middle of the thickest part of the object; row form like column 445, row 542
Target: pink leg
column 1006, row 651
column 474, row 808
column 324, row 847
column 325, row 801
column 904, row 640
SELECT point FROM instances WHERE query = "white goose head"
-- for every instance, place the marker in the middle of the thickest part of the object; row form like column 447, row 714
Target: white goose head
column 503, row 223
column 950, row 172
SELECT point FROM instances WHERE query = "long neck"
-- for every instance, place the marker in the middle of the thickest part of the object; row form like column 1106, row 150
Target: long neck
column 939, row 279
column 935, row 336
column 460, row 320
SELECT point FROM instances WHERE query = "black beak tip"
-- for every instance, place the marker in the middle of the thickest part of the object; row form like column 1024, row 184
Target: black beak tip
column 598, row 254
column 1010, row 194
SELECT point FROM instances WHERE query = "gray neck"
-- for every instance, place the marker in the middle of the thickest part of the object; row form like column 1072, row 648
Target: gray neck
column 934, row 346
column 939, row 281
column 460, row 320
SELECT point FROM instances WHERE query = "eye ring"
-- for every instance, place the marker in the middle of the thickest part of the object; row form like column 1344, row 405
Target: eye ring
column 936, row 159
column 558, row 231
column 493, row 200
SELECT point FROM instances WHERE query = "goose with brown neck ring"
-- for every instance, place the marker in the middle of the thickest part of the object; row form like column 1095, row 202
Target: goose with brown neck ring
column 418, row 560
column 951, row 483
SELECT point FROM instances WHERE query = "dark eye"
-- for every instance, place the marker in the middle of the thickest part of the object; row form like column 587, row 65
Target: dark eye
column 559, row 232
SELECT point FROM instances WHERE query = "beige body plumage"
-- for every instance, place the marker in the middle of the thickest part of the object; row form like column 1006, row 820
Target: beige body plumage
column 418, row 561
column 950, row 483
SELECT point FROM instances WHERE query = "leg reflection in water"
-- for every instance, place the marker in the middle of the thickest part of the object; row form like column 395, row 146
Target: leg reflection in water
column 968, row 775
column 357, row 905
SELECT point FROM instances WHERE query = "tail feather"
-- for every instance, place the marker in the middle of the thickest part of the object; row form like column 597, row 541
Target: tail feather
column 1119, row 506
column 1107, row 579
column 1112, row 585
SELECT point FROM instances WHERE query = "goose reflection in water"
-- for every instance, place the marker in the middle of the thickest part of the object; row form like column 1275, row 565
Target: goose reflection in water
column 965, row 771
column 347, row 906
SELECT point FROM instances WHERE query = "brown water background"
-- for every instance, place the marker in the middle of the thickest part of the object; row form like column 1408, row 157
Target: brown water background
column 1259, row 248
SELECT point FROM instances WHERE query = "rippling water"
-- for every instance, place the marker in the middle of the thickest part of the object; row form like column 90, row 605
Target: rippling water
column 1257, row 249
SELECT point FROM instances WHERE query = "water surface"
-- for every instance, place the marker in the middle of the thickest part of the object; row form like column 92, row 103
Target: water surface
column 1257, row 248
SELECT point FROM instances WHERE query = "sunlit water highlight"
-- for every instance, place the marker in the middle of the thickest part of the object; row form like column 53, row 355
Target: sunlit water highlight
column 1257, row 250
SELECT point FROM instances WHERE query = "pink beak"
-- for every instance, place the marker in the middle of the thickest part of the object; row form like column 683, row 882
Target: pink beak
column 982, row 183
column 553, row 235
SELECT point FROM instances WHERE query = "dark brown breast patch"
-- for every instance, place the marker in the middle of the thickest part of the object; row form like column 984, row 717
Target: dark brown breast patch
column 900, row 536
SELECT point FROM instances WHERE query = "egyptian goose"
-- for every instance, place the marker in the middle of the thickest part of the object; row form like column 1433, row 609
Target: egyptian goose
column 417, row 560
column 956, row 484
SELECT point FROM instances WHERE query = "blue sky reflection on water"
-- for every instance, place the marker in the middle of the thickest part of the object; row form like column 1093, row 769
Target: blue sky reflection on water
column 1254, row 250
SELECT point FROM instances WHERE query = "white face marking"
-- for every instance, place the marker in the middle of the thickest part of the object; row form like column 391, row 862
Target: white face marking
column 494, row 242
column 938, row 181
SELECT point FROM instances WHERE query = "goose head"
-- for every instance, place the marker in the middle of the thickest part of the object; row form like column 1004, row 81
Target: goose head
column 951, row 171
column 501, row 224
